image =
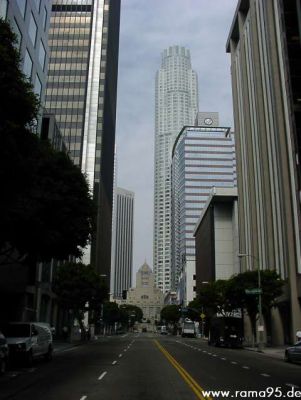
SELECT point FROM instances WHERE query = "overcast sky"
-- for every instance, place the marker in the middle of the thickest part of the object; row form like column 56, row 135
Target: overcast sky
column 147, row 28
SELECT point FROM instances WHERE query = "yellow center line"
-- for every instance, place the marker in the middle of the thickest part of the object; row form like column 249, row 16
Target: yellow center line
column 197, row 389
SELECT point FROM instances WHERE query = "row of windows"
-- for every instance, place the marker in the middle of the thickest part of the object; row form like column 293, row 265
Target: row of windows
column 74, row 42
column 70, row 53
column 75, row 81
column 66, row 91
column 68, row 66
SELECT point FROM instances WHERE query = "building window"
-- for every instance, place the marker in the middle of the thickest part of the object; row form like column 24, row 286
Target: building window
column 42, row 55
column 38, row 4
column 44, row 18
column 3, row 8
column 22, row 6
column 18, row 33
column 32, row 29
column 27, row 67
column 38, row 86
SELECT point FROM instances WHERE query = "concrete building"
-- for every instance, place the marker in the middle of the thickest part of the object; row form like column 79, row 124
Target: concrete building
column 216, row 237
column 264, row 43
column 146, row 296
column 81, row 92
column 207, row 118
column 30, row 22
column 202, row 158
column 122, row 246
column 176, row 105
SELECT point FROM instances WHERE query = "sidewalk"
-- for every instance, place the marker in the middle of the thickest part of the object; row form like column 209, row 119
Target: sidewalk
column 274, row 352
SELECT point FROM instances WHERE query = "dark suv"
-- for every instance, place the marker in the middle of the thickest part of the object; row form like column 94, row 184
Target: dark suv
column 3, row 353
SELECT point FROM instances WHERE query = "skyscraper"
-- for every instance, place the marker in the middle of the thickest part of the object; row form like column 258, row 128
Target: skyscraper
column 122, row 246
column 202, row 158
column 176, row 105
column 264, row 43
column 81, row 92
column 30, row 22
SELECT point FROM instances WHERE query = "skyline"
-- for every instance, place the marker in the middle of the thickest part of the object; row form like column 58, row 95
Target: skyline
column 203, row 28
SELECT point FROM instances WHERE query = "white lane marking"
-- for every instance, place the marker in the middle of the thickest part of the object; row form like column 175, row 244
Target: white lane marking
column 102, row 375
column 124, row 335
column 83, row 398
column 224, row 359
column 120, row 355
column 214, row 355
column 114, row 362
column 125, row 350
column 245, row 367
column 292, row 385
column 265, row 375
column 64, row 351
column 209, row 354
column 233, row 362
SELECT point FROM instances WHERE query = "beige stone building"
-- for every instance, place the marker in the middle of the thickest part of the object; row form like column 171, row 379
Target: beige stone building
column 145, row 295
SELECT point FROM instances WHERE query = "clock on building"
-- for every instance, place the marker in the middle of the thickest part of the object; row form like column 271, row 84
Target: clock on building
column 208, row 121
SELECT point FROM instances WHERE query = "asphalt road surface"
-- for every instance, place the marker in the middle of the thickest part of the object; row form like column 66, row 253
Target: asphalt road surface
column 152, row 367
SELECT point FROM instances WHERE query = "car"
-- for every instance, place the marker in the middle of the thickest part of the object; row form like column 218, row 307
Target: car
column 3, row 354
column 29, row 340
column 293, row 353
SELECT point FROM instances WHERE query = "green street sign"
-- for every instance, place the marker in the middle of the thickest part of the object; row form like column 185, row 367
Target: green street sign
column 253, row 291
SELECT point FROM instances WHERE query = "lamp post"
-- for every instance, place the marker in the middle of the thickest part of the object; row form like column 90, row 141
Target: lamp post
column 260, row 326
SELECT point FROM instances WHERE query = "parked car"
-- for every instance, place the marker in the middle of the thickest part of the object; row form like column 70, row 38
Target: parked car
column 29, row 340
column 3, row 353
column 293, row 353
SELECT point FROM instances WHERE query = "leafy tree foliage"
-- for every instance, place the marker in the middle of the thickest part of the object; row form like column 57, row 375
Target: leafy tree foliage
column 271, row 285
column 171, row 313
column 129, row 311
column 46, row 210
column 227, row 295
column 79, row 288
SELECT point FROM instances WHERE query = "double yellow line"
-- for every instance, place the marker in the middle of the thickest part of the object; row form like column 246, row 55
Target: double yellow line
column 184, row 374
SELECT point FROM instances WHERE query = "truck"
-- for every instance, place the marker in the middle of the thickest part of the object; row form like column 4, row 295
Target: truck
column 188, row 329
column 226, row 330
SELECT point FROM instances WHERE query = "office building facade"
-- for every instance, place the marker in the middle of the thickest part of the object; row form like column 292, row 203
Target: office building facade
column 176, row 105
column 264, row 43
column 202, row 158
column 29, row 20
column 122, row 242
column 81, row 92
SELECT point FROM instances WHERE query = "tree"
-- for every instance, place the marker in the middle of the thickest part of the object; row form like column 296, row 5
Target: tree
column 271, row 285
column 79, row 288
column 46, row 209
column 130, row 312
column 171, row 313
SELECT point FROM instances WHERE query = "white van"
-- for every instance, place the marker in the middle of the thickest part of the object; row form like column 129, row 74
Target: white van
column 29, row 340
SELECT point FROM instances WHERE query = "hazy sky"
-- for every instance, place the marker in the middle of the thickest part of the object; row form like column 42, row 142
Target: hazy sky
column 147, row 28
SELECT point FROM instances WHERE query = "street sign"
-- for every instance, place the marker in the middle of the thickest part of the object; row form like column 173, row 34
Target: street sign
column 253, row 291
column 203, row 316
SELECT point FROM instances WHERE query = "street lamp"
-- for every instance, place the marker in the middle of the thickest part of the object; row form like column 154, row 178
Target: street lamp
column 260, row 326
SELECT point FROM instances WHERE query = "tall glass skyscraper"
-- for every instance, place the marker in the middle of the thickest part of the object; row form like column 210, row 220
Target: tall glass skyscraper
column 122, row 242
column 202, row 158
column 81, row 92
column 176, row 105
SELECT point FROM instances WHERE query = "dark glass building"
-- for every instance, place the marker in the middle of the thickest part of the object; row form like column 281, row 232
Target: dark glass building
column 81, row 92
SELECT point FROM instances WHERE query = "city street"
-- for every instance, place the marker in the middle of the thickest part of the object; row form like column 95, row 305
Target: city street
column 150, row 367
